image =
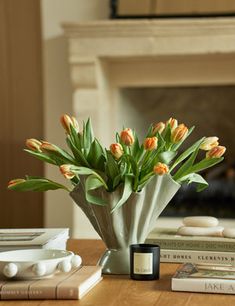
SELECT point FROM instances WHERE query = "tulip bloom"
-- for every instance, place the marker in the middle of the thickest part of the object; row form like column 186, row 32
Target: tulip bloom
column 68, row 121
column 172, row 122
column 33, row 144
column 15, row 182
column 127, row 137
column 209, row 143
column 48, row 147
column 116, row 150
column 158, row 127
column 216, row 152
column 160, row 169
column 67, row 172
column 179, row 133
column 150, row 143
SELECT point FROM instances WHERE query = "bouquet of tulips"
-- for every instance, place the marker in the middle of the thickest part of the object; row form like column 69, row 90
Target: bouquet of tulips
column 127, row 163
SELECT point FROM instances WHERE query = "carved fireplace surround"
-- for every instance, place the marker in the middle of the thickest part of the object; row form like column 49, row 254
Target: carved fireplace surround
column 107, row 56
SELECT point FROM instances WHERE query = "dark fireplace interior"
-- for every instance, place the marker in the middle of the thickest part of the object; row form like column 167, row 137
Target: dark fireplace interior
column 212, row 110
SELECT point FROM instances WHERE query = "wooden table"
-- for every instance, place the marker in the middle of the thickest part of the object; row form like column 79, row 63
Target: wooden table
column 122, row 291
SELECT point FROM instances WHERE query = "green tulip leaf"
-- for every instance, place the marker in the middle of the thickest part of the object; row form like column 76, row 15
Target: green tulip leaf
column 96, row 156
column 185, row 154
column 92, row 183
column 195, row 178
column 37, row 184
column 127, row 190
column 41, row 156
column 206, row 163
column 166, row 157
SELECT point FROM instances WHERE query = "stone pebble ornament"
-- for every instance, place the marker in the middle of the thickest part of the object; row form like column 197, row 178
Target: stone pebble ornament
column 216, row 231
column 201, row 221
column 229, row 233
column 204, row 226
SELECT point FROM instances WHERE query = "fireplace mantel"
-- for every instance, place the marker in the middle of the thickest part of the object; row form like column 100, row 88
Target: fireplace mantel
column 111, row 54
column 106, row 56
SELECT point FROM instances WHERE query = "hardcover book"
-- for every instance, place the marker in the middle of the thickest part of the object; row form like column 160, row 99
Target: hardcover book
column 204, row 278
column 40, row 238
column 167, row 238
column 72, row 286
column 183, row 256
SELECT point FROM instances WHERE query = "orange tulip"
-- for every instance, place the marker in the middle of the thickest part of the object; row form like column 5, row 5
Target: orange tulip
column 67, row 172
column 116, row 150
column 158, row 127
column 150, row 143
column 68, row 121
column 48, row 147
column 216, row 152
column 172, row 122
column 160, row 169
column 179, row 133
column 127, row 137
column 209, row 143
column 33, row 144
column 15, row 182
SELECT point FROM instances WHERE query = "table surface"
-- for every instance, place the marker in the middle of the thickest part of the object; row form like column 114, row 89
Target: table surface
column 120, row 290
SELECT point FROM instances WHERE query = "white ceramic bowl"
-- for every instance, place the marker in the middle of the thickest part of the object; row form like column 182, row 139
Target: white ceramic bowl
column 31, row 264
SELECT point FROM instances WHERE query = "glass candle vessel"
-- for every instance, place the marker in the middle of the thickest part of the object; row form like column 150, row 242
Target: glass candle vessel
column 144, row 261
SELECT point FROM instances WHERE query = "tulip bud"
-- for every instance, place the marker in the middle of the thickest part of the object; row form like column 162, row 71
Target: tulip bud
column 67, row 172
column 116, row 150
column 160, row 169
column 216, row 152
column 67, row 121
column 150, row 143
column 127, row 137
column 209, row 143
column 15, row 182
column 179, row 133
column 33, row 144
column 48, row 147
column 172, row 122
column 158, row 127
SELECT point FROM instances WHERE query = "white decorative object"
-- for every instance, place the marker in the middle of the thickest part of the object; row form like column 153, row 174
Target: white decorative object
column 65, row 266
column 76, row 261
column 200, row 231
column 10, row 270
column 229, row 232
column 201, row 221
column 36, row 263
column 39, row 269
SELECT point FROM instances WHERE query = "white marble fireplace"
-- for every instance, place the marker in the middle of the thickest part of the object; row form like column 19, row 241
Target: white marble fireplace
column 107, row 57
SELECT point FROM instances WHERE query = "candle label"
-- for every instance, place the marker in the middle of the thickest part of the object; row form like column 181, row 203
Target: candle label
column 143, row 263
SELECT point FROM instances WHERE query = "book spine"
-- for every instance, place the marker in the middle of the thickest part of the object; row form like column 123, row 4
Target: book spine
column 203, row 285
column 183, row 256
column 179, row 244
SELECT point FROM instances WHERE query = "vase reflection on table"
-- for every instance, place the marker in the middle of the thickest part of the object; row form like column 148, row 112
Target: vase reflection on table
column 123, row 190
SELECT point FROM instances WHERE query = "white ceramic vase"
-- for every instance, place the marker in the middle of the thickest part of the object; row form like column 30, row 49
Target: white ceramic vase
column 129, row 224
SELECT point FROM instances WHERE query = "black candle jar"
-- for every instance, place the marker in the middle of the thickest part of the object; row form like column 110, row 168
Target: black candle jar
column 144, row 261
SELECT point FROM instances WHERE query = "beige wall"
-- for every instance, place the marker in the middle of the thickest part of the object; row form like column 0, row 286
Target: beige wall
column 59, row 209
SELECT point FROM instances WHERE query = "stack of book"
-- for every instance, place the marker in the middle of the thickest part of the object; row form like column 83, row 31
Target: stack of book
column 33, row 238
column 72, row 285
column 197, row 249
column 204, row 278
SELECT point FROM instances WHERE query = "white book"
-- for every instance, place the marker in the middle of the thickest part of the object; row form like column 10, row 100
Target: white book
column 184, row 256
column 30, row 238
column 204, row 278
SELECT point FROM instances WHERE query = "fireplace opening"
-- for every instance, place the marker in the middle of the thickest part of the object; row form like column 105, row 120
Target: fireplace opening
column 212, row 110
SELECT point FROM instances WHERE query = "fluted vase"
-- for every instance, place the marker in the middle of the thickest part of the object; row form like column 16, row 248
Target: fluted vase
column 129, row 224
